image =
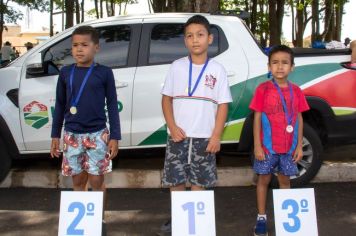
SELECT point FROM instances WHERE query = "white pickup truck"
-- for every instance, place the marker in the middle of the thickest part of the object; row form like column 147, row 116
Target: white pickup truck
column 140, row 49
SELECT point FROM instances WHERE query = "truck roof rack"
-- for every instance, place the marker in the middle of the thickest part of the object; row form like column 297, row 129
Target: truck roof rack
column 241, row 14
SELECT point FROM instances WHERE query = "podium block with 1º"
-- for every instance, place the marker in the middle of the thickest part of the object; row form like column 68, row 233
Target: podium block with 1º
column 193, row 213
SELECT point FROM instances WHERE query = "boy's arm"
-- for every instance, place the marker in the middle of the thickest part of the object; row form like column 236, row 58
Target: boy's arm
column 58, row 116
column 177, row 133
column 214, row 141
column 298, row 154
column 258, row 150
column 113, row 113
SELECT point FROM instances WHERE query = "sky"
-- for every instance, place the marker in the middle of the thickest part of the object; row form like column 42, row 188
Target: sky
column 348, row 28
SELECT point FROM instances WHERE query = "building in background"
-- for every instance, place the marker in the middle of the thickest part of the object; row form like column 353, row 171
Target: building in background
column 18, row 37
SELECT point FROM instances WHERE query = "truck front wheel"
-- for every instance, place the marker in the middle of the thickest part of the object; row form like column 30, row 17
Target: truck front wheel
column 311, row 161
column 5, row 161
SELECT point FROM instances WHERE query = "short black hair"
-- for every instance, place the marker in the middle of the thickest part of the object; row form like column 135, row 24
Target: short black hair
column 198, row 19
column 87, row 30
column 281, row 48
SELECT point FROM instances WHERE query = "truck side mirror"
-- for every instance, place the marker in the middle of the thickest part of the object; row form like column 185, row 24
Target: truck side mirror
column 349, row 65
column 46, row 68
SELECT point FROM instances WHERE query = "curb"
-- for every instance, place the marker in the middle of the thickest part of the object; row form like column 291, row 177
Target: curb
column 130, row 178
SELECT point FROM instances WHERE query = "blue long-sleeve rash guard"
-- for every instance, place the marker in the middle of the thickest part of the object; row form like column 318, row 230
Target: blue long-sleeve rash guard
column 90, row 116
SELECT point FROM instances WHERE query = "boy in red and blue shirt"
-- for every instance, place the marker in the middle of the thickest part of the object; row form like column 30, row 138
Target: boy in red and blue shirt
column 277, row 128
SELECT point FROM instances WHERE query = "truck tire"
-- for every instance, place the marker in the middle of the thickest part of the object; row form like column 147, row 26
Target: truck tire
column 5, row 161
column 311, row 161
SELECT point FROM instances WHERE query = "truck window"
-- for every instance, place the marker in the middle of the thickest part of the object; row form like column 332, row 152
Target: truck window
column 167, row 43
column 60, row 54
column 114, row 47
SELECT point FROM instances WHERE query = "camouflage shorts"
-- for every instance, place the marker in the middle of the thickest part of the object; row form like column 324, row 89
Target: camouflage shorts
column 198, row 168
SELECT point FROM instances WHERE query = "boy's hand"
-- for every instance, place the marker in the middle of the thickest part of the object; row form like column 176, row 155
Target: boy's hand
column 298, row 154
column 55, row 147
column 113, row 148
column 177, row 134
column 259, row 153
column 213, row 145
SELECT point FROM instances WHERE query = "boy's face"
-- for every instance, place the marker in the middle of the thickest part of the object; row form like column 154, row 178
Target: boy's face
column 280, row 65
column 197, row 39
column 83, row 49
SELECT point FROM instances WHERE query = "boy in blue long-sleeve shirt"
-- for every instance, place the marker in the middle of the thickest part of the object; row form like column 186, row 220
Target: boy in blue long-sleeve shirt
column 82, row 91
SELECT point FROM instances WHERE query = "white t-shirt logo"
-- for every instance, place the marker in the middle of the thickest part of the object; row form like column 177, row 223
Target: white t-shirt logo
column 210, row 81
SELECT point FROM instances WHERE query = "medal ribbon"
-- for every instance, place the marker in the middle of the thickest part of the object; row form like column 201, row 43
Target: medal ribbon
column 289, row 116
column 75, row 100
column 190, row 92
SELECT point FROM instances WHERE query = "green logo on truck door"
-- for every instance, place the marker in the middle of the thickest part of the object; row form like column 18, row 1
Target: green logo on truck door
column 36, row 114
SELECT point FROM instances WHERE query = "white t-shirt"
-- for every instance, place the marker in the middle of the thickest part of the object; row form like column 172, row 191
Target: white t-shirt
column 196, row 114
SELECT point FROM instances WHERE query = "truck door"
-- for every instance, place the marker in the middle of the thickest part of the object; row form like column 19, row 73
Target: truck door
column 161, row 44
column 37, row 90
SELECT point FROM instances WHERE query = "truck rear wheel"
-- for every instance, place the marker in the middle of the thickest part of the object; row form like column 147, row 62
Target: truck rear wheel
column 311, row 162
column 5, row 161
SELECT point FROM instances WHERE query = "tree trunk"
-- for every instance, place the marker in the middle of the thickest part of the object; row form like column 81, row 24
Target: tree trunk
column 293, row 22
column 51, row 18
column 338, row 20
column 125, row 8
column 77, row 11
column 108, row 8
column 300, row 24
column 112, row 7
column 101, row 9
column 197, row 6
column 69, row 6
column 96, row 8
column 214, row 6
column 315, row 21
column 263, row 35
column 149, row 2
column 275, row 17
column 158, row 5
column 253, row 21
column 327, row 18
column 82, row 9
column 1, row 21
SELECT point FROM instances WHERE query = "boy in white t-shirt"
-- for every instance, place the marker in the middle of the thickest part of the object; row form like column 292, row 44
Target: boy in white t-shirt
column 195, row 101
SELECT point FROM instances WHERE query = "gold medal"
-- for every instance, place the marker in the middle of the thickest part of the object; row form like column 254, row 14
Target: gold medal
column 73, row 110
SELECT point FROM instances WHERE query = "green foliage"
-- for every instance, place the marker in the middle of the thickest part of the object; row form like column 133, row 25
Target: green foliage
column 10, row 14
column 40, row 5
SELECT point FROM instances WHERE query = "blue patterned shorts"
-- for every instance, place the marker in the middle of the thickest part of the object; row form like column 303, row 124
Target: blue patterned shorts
column 86, row 152
column 188, row 161
column 276, row 163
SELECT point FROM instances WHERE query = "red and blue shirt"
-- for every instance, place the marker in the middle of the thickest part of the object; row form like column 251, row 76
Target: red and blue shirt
column 267, row 100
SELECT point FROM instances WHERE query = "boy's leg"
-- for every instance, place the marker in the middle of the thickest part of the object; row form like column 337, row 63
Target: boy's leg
column 264, row 169
column 283, row 181
column 174, row 173
column 97, row 184
column 261, row 192
column 80, row 181
column 197, row 188
column 98, row 162
column 179, row 187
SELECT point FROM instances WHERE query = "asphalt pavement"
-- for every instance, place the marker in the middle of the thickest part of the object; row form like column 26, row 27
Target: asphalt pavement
column 134, row 212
